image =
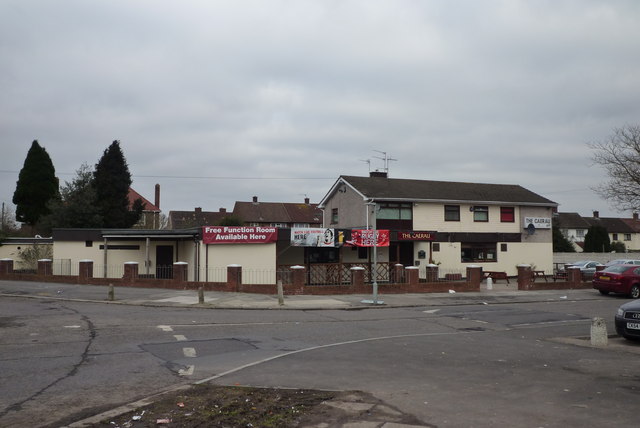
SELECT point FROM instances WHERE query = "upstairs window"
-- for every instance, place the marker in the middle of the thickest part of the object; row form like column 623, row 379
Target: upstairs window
column 507, row 214
column 452, row 213
column 394, row 211
column 481, row 213
column 334, row 215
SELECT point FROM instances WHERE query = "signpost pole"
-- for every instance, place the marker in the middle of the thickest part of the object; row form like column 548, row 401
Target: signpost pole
column 374, row 267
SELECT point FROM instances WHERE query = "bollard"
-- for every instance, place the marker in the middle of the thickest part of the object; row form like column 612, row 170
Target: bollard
column 201, row 295
column 489, row 283
column 280, row 293
column 111, row 293
column 599, row 335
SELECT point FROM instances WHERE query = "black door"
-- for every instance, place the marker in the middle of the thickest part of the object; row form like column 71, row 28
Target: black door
column 164, row 261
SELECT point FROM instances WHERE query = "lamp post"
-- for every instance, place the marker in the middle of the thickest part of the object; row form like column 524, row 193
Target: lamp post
column 374, row 267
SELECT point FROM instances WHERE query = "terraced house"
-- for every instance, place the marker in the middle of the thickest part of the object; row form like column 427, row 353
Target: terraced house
column 451, row 224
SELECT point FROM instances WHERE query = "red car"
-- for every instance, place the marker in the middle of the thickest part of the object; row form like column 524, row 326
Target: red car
column 624, row 279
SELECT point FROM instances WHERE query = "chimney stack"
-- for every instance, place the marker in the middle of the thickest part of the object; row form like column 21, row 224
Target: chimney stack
column 635, row 216
column 378, row 174
column 306, row 201
column 198, row 210
column 223, row 210
column 255, row 199
column 596, row 214
column 157, row 201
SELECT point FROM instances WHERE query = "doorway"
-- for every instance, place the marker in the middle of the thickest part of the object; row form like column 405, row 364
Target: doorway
column 164, row 261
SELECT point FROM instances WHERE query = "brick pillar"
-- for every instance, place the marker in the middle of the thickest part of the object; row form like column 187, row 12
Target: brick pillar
column 298, row 275
column 525, row 277
column 432, row 273
column 45, row 267
column 6, row 266
column 85, row 270
column 357, row 276
column 130, row 271
column 234, row 277
column 574, row 276
column 474, row 276
column 398, row 274
column 413, row 275
column 180, row 271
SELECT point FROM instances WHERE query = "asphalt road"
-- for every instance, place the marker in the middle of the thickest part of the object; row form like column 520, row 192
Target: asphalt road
column 483, row 365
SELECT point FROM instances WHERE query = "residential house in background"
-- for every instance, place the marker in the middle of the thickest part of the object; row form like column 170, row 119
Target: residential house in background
column 574, row 227
column 150, row 218
column 451, row 224
column 278, row 214
column 195, row 218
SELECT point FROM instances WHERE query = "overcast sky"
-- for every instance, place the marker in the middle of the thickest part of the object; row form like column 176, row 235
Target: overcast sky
column 218, row 101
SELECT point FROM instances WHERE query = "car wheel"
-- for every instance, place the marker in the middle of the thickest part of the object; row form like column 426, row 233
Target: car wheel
column 635, row 292
column 604, row 293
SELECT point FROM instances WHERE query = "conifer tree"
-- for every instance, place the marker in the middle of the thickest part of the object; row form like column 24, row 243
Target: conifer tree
column 112, row 180
column 597, row 240
column 37, row 185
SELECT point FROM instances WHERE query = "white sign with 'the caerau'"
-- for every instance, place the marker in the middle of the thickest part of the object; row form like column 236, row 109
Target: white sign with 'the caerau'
column 538, row 222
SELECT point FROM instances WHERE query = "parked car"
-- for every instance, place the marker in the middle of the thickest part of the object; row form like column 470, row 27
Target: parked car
column 622, row 262
column 587, row 267
column 627, row 320
column 624, row 279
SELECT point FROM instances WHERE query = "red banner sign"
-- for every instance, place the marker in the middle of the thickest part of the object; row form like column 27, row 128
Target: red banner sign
column 369, row 238
column 416, row 235
column 239, row 235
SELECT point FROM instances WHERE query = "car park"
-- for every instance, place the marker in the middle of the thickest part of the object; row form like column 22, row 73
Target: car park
column 622, row 279
column 622, row 262
column 587, row 267
column 627, row 320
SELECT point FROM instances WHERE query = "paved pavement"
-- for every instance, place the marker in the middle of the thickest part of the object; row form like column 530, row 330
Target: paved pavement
column 500, row 293
column 352, row 412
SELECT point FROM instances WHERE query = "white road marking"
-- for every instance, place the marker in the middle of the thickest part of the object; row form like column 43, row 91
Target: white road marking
column 165, row 327
column 329, row 345
column 180, row 337
column 431, row 311
column 187, row 372
column 189, row 352
column 72, row 326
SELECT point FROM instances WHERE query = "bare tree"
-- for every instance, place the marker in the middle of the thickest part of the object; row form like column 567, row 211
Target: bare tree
column 619, row 155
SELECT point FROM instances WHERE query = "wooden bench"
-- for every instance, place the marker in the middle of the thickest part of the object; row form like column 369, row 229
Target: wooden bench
column 539, row 274
column 495, row 275
column 560, row 276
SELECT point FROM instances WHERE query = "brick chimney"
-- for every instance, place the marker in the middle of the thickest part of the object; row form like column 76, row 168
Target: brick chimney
column 223, row 210
column 198, row 210
column 306, row 201
column 596, row 214
column 255, row 199
column 635, row 216
column 157, row 200
column 379, row 174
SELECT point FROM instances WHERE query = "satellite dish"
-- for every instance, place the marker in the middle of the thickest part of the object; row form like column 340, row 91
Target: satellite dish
column 531, row 229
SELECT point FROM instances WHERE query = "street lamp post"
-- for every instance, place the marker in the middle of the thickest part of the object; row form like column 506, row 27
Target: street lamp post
column 374, row 267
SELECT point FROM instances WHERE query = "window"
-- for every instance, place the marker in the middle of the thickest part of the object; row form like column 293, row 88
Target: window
column 436, row 247
column 394, row 211
column 88, row 243
column 615, row 236
column 503, row 248
column 580, row 233
column 334, row 215
column 507, row 214
column 452, row 213
column 478, row 252
column 627, row 237
column 481, row 213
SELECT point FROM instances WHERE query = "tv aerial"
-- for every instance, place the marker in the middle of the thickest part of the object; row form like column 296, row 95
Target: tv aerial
column 386, row 159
